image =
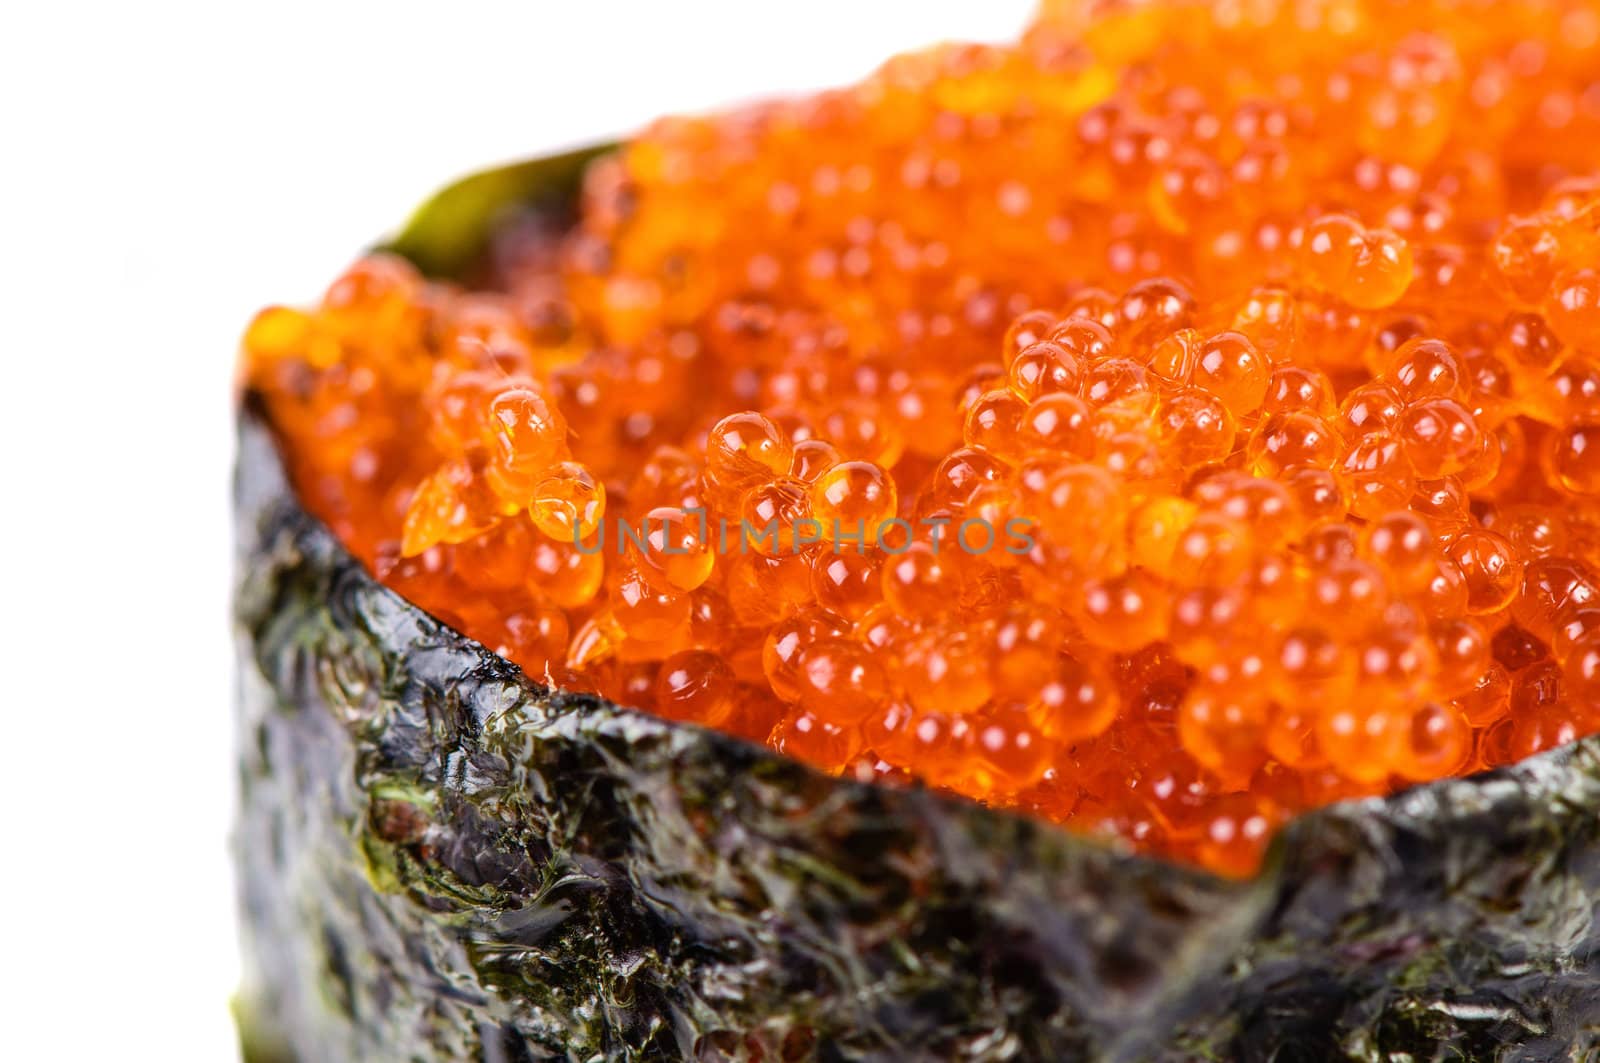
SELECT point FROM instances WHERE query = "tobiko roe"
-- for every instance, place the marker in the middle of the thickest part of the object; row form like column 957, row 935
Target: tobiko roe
column 1099, row 425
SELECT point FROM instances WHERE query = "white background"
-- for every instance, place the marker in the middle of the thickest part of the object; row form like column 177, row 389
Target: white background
column 166, row 168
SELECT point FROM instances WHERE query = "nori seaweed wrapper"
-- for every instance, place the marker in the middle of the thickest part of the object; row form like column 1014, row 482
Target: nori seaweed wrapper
column 442, row 860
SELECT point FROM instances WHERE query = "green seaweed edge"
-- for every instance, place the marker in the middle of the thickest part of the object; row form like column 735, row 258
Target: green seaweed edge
column 448, row 233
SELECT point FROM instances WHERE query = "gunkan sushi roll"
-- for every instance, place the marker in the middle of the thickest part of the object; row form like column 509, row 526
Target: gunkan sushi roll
column 1077, row 549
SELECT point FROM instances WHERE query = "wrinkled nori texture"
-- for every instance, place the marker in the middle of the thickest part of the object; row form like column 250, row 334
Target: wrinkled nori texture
column 442, row 860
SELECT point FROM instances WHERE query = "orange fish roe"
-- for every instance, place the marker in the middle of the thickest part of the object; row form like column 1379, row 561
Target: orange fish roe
column 1183, row 417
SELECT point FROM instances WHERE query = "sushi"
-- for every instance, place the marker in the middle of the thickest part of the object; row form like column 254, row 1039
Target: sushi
column 1297, row 641
column 442, row 859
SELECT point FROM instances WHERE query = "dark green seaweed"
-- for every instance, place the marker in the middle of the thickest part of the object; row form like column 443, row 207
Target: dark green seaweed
column 442, row 860
column 448, row 234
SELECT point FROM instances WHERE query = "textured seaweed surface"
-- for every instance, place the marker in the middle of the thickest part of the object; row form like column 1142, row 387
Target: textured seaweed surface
column 443, row 860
